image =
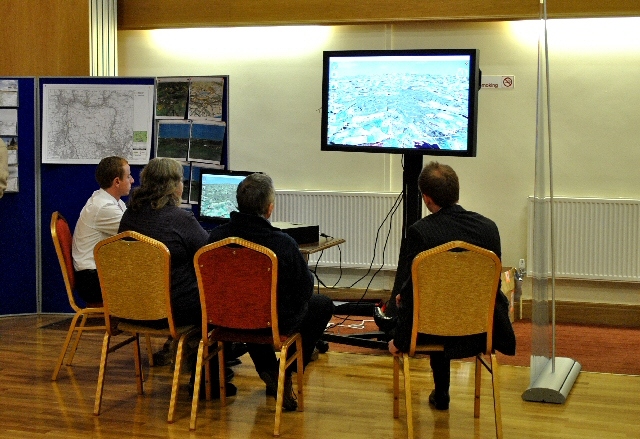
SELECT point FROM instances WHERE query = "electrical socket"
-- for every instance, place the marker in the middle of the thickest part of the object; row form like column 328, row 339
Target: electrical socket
column 522, row 265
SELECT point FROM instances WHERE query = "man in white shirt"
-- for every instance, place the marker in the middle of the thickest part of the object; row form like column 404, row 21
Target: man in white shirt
column 99, row 219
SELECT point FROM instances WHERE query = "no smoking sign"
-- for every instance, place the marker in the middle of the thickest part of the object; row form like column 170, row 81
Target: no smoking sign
column 505, row 82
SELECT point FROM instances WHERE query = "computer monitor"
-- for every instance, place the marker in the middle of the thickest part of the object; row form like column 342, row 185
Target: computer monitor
column 218, row 194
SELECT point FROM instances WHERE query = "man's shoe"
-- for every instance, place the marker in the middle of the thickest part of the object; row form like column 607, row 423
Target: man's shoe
column 385, row 323
column 439, row 402
column 271, row 381
column 289, row 400
column 230, row 390
column 167, row 354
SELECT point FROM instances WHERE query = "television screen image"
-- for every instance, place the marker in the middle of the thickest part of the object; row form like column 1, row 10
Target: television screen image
column 421, row 101
column 218, row 193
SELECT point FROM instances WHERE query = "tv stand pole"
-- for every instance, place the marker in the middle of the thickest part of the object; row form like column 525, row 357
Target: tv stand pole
column 412, row 212
column 412, row 198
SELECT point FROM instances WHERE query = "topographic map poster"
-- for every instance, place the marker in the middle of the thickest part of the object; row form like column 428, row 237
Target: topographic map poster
column 8, row 93
column 9, row 122
column 205, row 98
column 172, row 97
column 82, row 123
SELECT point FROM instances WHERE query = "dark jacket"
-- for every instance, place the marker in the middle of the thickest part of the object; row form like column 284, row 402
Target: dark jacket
column 450, row 224
column 295, row 281
column 179, row 230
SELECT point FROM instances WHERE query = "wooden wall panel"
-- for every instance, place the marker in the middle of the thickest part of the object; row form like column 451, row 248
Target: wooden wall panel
column 593, row 8
column 51, row 37
column 44, row 38
column 143, row 14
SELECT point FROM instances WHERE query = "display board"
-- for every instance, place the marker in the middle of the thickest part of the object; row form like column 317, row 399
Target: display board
column 18, row 247
column 127, row 107
column 55, row 172
column 66, row 187
column 191, row 126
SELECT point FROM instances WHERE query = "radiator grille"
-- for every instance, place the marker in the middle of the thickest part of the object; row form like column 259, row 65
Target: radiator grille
column 595, row 239
column 354, row 216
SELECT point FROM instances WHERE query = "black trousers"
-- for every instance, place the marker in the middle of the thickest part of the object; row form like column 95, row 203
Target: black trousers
column 319, row 313
column 88, row 286
column 441, row 368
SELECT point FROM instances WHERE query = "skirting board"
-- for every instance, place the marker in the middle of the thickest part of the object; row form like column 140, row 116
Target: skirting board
column 588, row 313
column 351, row 294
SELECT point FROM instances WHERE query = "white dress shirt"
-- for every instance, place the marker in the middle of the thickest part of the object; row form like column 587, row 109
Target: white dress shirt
column 99, row 219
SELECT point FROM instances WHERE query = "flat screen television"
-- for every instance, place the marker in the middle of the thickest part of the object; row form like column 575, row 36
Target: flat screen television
column 419, row 101
column 218, row 194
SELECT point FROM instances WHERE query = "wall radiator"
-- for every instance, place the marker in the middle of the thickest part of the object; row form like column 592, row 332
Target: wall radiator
column 596, row 239
column 353, row 216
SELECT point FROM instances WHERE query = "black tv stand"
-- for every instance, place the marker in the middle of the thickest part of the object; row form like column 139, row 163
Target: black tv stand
column 412, row 212
column 370, row 340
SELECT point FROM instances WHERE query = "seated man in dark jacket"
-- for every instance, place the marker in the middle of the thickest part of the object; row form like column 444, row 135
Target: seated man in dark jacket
column 448, row 222
column 299, row 310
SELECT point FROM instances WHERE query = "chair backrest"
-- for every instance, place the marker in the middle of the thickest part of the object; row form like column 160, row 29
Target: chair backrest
column 62, row 241
column 454, row 291
column 238, row 283
column 135, row 277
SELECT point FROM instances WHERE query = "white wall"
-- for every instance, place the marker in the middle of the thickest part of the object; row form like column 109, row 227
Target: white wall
column 275, row 96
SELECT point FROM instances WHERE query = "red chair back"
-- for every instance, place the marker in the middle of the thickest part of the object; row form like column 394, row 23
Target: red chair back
column 238, row 281
column 62, row 241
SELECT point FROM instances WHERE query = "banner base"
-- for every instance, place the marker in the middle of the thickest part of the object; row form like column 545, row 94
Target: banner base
column 554, row 387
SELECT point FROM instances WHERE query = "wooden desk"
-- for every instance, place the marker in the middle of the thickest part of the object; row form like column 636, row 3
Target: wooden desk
column 322, row 244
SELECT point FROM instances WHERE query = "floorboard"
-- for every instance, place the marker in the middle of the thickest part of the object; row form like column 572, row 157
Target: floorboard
column 347, row 396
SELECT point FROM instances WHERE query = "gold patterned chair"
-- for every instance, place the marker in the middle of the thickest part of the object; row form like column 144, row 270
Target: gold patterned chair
column 135, row 278
column 454, row 294
column 238, row 282
column 62, row 239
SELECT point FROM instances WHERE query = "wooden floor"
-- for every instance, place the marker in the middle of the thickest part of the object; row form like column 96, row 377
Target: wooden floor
column 348, row 396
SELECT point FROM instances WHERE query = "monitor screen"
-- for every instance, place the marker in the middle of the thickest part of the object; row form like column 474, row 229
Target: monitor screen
column 218, row 193
column 421, row 101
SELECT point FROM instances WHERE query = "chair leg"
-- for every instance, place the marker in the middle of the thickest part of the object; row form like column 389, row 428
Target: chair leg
column 74, row 348
column 300, row 375
column 222, row 379
column 63, row 352
column 176, row 379
column 478, row 380
column 149, row 350
column 495, row 383
column 207, row 371
column 103, row 367
column 407, row 391
column 138, row 363
column 280, row 393
column 196, row 387
column 396, row 386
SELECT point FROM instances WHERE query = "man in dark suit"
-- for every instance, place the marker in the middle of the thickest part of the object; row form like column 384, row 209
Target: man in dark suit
column 448, row 221
column 299, row 310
